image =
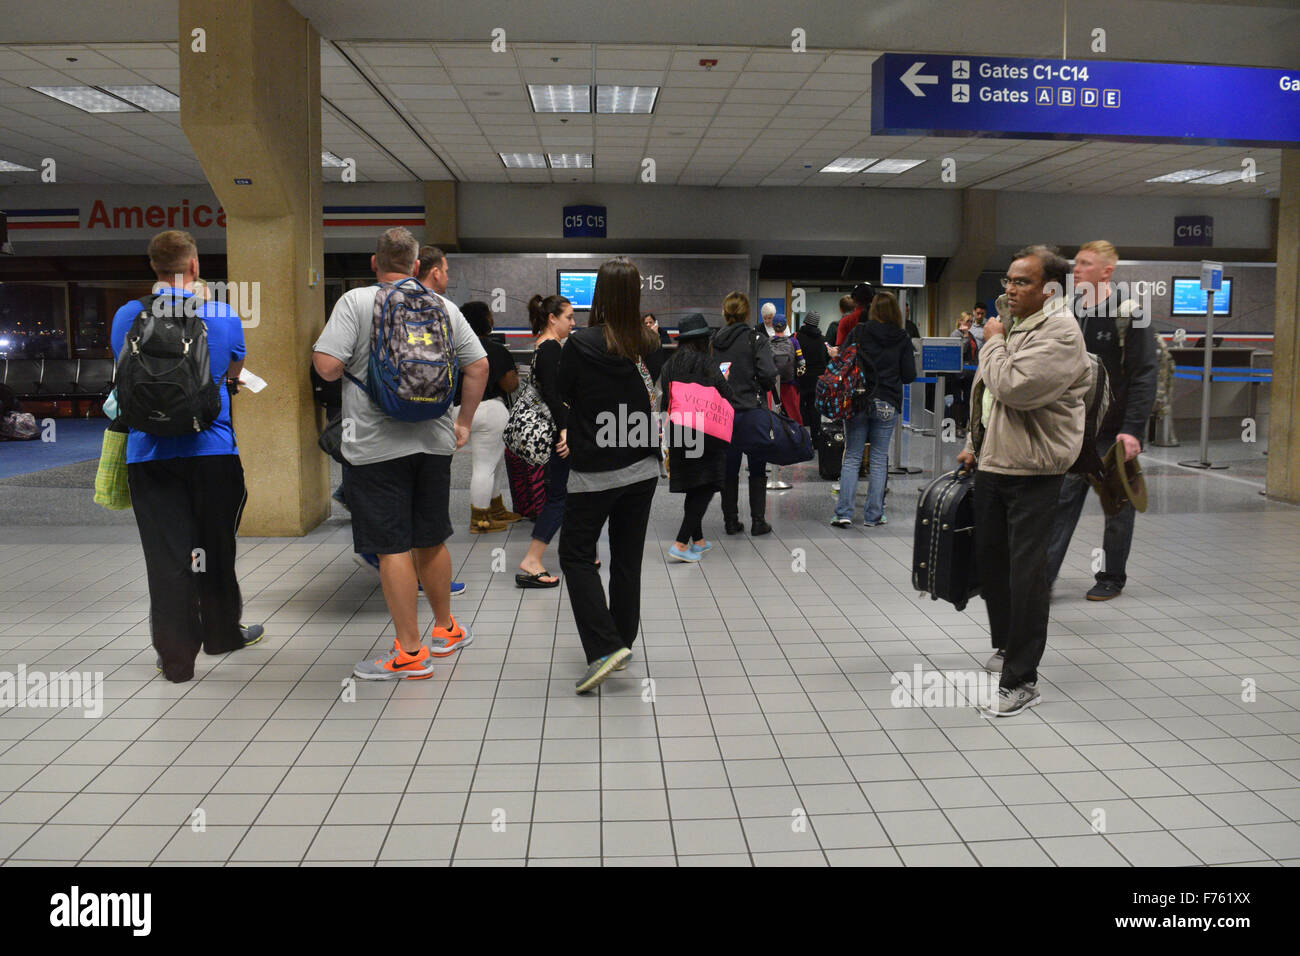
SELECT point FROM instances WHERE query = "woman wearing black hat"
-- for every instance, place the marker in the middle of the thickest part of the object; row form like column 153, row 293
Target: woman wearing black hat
column 698, row 462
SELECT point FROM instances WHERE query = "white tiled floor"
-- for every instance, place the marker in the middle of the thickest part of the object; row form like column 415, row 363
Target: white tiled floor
column 769, row 737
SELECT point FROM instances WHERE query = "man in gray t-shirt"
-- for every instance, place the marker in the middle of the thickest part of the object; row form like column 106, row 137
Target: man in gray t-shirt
column 397, row 478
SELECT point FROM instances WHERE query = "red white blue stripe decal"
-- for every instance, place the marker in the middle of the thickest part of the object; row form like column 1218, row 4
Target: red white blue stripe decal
column 44, row 218
column 374, row 216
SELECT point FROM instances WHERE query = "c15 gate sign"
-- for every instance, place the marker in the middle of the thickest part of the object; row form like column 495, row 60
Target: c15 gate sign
column 919, row 95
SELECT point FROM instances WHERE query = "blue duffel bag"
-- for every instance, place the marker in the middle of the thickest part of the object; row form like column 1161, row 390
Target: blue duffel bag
column 771, row 437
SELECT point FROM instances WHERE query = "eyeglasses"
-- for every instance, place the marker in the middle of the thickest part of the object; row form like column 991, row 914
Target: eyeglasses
column 1018, row 283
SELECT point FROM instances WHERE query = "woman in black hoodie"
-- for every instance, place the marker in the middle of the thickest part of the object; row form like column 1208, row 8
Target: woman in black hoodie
column 613, row 443
column 752, row 374
column 882, row 341
column 698, row 461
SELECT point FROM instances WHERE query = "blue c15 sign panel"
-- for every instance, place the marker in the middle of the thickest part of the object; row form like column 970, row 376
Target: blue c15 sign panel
column 920, row 94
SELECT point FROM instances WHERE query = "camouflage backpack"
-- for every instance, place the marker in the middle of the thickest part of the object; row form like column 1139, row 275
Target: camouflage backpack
column 1165, row 363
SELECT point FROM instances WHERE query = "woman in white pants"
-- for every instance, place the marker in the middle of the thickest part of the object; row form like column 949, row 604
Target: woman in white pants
column 488, row 512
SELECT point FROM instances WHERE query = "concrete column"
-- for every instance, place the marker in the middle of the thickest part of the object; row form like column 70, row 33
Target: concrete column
column 250, row 107
column 440, row 228
column 957, row 283
column 1283, row 474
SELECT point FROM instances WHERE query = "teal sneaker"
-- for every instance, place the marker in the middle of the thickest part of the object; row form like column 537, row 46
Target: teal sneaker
column 622, row 665
column 701, row 548
column 690, row 554
column 600, row 669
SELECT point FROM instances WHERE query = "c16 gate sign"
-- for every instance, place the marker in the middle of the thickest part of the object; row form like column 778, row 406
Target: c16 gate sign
column 919, row 94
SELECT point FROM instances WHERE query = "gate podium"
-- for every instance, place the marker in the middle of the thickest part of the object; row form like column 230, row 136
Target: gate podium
column 939, row 355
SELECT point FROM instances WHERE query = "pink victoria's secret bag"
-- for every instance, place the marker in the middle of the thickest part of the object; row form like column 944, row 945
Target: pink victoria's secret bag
column 702, row 408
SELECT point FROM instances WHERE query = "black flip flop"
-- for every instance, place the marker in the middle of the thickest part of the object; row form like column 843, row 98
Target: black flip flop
column 534, row 580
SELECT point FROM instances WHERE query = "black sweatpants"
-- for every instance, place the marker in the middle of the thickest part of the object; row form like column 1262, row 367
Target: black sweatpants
column 604, row 628
column 697, row 502
column 182, row 505
column 808, row 409
column 1013, row 527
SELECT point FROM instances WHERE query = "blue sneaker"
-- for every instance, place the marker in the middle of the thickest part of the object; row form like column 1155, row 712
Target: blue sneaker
column 599, row 669
column 690, row 554
column 700, row 549
column 372, row 560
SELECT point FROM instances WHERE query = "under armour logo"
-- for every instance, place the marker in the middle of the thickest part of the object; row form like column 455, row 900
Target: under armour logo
column 425, row 337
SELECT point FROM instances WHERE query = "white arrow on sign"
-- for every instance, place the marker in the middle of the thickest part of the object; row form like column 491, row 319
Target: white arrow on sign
column 913, row 78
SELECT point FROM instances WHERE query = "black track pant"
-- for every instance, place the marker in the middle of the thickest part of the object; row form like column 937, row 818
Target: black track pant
column 187, row 510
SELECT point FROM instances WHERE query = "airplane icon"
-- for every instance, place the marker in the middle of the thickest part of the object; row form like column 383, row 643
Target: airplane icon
column 960, row 93
column 961, row 69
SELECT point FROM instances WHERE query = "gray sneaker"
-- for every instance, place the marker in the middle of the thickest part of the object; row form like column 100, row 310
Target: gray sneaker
column 1013, row 701
column 994, row 664
column 622, row 665
column 599, row 669
column 398, row 665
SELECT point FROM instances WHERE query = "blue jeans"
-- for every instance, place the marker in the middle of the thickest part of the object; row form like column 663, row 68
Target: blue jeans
column 875, row 425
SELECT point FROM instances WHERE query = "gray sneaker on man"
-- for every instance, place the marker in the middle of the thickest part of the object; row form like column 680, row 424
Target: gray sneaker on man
column 994, row 663
column 1012, row 701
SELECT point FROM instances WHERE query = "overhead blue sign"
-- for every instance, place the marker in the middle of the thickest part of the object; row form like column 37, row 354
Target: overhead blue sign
column 902, row 270
column 919, row 94
column 584, row 222
column 1193, row 230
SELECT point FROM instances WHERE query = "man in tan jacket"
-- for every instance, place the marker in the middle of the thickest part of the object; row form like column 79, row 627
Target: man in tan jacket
column 1026, row 429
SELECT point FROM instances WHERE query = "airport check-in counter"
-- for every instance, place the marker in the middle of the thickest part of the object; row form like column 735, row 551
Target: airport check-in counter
column 1230, row 402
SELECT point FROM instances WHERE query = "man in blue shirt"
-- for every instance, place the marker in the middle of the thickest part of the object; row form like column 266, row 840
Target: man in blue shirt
column 187, row 491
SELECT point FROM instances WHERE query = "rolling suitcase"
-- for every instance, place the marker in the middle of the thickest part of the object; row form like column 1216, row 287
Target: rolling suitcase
column 943, row 555
column 830, row 450
column 527, row 485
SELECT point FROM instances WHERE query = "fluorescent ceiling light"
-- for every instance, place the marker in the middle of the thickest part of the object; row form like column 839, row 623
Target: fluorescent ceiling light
column 8, row 167
column 847, row 164
column 152, row 98
column 626, row 99
column 523, row 160
column 560, row 98
column 329, row 159
column 894, row 165
column 87, row 98
column 569, row 160
column 1219, row 179
column 1182, row 176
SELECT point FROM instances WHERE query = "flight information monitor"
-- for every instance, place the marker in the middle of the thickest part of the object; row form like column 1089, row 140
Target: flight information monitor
column 1190, row 299
column 579, row 285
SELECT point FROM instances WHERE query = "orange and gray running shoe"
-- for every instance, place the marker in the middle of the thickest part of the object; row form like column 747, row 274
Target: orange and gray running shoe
column 398, row 665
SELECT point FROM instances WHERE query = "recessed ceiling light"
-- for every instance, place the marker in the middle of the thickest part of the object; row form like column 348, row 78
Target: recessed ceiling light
column 847, row 164
column 329, row 159
column 626, row 99
column 894, row 165
column 1220, row 179
column 569, row 160
column 152, row 98
column 560, row 97
column 1182, row 176
column 87, row 98
column 8, row 167
column 523, row 160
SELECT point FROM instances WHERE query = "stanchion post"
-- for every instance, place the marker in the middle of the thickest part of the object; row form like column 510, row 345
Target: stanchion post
column 1204, row 461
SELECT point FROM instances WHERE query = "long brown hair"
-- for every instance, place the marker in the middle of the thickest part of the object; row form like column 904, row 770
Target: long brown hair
column 616, row 307
column 884, row 308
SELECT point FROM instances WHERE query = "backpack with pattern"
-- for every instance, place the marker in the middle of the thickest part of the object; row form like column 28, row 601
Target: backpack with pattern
column 413, row 368
column 847, row 385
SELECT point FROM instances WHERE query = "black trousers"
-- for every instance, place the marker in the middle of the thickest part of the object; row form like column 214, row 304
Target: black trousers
column 808, row 411
column 188, row 510
column 731, row 486
column 697, row 502
column 1013, row 527
column 605, row 627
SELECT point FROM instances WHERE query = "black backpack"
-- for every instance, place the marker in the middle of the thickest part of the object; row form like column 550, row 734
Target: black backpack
column 164, row 378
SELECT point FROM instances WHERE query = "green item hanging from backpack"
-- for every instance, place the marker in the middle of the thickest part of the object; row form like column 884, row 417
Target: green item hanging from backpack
column 111, row 489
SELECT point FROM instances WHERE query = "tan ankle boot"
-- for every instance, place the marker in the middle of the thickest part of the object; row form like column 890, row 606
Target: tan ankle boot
column 499, row 512
column 482, row 522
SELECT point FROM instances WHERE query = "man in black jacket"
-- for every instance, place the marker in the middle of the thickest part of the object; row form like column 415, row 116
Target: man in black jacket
column 816, row 357
column 1132, row 365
